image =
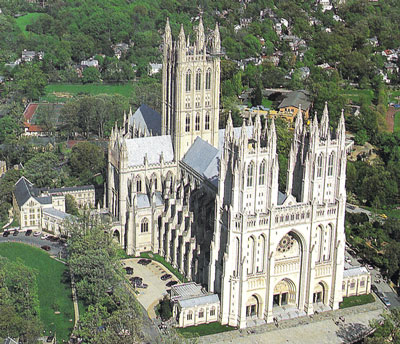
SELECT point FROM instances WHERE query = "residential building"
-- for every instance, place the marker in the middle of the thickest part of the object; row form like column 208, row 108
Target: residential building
column 294, row 101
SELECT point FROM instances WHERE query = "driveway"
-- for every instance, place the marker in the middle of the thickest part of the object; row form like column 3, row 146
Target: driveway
column 151, row 274
column 56, row 248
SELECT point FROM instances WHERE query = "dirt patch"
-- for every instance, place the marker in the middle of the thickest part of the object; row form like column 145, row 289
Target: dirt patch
column 390, row 114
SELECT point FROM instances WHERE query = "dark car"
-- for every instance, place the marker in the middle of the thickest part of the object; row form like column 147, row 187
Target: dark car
column 54, row 239
column 144, row 261
column 49, row 237
column 171, row 283
column 129, row 270
column 136, row 281
column 143, row 285
column 374, row 288
column 15, row 233
column 28, row 232
column 165, row 277
column 6, row 234
column 46, row 247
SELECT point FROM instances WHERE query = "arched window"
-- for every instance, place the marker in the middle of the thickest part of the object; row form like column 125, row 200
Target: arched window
column 197, row 122
column 261, row 179
column 144, row 226
column 201, row 313
column 138, row 184
column 319, row 166
column 187, row 123
column 207, row 121
column 198, row 80
column 212, row 311
column 188, row 80
column 189, row 315
column 208, row 79
column 330, row 163
column 250, row 173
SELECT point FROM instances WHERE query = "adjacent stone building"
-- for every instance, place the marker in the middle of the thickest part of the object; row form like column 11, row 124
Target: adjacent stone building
column 208, row 199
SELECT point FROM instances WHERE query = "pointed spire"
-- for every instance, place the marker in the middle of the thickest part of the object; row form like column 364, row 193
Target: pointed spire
column 250, row 121
column 257, row 127
column 265, row 130
column 229, row 128
column 341, row 129
column 272, row 137
column 167, row 35
column 124, row 117
column 181, row 41
column 324, row 131
column 200, row 37
column 216, row 42
column 298, row 126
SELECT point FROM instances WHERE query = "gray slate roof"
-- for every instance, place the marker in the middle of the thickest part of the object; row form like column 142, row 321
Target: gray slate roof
column 22, row 191
column 148, row 119
column 151, row 146
column 296, row 98
column 67, row 189
column 143, row 200
column 199, row 301
column 281, row 198
column 355, row 272
column 56, row 213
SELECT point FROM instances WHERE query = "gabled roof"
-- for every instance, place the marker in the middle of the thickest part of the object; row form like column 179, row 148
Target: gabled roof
column 152, row 147
column 203, row 158
column 56, row 213
column 295, row 99
column 147, row 119
column 22, row 191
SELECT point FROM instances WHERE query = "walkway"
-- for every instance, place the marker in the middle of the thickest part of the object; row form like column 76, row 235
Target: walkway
column 324, row 328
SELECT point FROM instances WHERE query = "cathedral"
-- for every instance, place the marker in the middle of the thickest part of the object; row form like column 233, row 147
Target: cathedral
column 207, row 199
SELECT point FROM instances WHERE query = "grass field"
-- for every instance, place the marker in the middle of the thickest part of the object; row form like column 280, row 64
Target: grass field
column 51, row 288
column 203, row 330
column 25, row 20
column 388, row 212
column 397, row 122
column 356, row 300
column 356, row 95
column 63, row 92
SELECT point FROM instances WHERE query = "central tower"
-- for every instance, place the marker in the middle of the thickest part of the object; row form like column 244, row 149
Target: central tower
column 191, row 82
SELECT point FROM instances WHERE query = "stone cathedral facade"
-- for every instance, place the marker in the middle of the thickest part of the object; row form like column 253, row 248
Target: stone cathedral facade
column 207, row 199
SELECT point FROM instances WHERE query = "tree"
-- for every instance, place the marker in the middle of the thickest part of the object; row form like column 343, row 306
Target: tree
column 9, row 128
column 86, row 161
column 90, row 75
column 41, row 170
column 30, row 80
column 70, row 205
column 256, row 96
column 388, row 330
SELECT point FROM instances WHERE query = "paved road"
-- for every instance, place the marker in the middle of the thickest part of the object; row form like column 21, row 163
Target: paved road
column 350, row 208
column 57, row 248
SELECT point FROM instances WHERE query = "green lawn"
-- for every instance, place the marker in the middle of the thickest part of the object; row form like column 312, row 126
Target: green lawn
column 355, row 95
column 204, row 330
column 397, row 122
column 51, row 287
column 267, row 103
column 352, row 301
column 63, row 92
column 393, row 96
column 25, row 20
column 388, row 212
column 161, row 260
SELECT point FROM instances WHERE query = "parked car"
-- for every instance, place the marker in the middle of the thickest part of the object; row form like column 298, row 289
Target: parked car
column 144, row 261
column 28, row 232
column 6, row 234
column 49, row 237
column 46, row 247
column 136, row 280
column 171, row 283
column 383, row 298
column 143, row 285
column 15, row 233
column 374, row 288
column 37, row 233
column 44, row 237
column 165, row 277
column 129, row 270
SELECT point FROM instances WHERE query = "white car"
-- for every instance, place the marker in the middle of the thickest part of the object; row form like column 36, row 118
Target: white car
column 44, row 237
column 36, row 234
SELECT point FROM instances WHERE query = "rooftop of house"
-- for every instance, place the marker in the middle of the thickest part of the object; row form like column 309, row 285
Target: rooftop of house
column 356, row 271
column 295, row 99
column 191, row 295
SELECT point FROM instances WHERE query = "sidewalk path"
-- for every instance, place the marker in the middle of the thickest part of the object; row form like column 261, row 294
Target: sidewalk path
column 324, row 328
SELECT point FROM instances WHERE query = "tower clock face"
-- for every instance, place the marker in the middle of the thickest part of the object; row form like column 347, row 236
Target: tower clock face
column 286, row 243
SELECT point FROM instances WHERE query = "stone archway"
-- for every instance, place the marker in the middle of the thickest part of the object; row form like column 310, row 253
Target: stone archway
column 320, row 294
column 253, row 307
column 116, row 235
column 284, row 293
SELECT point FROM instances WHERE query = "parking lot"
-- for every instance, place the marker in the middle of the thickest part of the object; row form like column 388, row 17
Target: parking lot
column 151, row 275
column 56, row 248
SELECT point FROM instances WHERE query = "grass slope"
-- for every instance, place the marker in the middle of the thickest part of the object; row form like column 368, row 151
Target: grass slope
column 396, row 122
column 50, row 286
column 25, row 20
column 204, row 330
column 352, row 301
column 355, row 95
column 63, row 92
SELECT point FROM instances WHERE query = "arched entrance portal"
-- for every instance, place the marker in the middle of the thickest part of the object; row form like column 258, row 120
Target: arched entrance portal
column 320, row 293
column 284, row 293
column 252, row 307
column 116, row 236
